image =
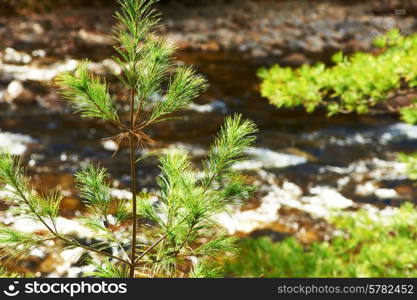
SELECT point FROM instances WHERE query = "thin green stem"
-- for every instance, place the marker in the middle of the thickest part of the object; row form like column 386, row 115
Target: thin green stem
column 133, row 186
column 120, row 245
column 151, row 247
column 161, row 239
column 75, row 243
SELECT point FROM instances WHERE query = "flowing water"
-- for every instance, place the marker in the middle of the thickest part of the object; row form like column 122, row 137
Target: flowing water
column 302, row 164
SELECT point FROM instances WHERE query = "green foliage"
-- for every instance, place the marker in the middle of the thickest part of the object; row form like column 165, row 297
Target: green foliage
column 6, row 274
column 184, row 217
column 17, row 244
column 206, row 269
column 93, row 189
column 184, row 87
column 353, row 84
column 26, row 200
column 228, row 147
column 106, row 269
column 409, row 114
column 88, row 94
column 370, row 245
column 179, row 223
column 411, row 164
column 146, row 61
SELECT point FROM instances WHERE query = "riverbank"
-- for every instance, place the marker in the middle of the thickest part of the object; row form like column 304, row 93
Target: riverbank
column 292, row 30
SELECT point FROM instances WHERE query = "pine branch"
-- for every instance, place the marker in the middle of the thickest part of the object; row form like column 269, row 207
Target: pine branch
column 17, row 244
column 87, row 94
column 12, row 173
column 234, row 137
column 184, row 87
column 205, row 269
column 107, row 269
column 94, row 189
column 189, row 204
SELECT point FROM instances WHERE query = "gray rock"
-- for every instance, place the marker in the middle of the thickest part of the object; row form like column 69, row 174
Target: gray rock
column 315, row 44
column 295, row 59
column 16, row 92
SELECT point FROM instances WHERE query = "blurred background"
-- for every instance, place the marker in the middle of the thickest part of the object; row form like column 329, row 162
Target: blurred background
column 303, row 165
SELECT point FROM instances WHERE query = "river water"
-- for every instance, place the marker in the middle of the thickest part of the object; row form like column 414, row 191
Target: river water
column 303, row 165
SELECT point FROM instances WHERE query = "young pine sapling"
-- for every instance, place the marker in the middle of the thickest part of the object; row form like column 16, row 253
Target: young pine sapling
column 177, row 234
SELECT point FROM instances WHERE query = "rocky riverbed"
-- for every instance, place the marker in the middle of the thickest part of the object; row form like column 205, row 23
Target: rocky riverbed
column 287, row 29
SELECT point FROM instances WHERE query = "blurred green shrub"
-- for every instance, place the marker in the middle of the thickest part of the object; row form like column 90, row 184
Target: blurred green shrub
column 410, row 161
column 353, row 84
column 368, row 245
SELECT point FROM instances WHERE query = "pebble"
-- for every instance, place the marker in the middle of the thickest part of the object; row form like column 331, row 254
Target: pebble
column 263, row 158
column 92, row 38
column 11, row 56
column 16, row 92
column 294, row 59
column 46, row 73
column 315, row 43
column 214, row 106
